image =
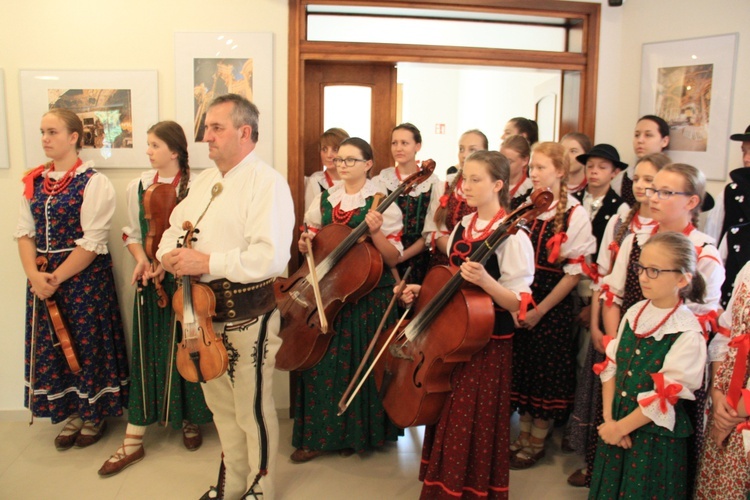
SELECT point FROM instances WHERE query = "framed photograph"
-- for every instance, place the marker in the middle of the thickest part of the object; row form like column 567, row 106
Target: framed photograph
column 208, row 65
column 689, row 83
column 116, row 108
column 4, row 151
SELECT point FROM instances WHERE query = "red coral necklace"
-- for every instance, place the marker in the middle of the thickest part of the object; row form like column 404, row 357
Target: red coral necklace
column 661, row 323
column 53, row 187
column 469, row 232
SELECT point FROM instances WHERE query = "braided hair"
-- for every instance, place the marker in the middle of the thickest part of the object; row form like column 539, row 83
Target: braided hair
column 174, row 137
column 556, row 153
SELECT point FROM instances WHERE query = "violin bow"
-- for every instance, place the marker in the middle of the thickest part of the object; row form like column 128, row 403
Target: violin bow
column 168, row 386
column 401, row 285
column 316, row 287
column 139, row 306
column 32, row 356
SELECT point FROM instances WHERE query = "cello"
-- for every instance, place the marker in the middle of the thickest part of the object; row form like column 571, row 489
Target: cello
column 58, row 325
column 451, row 323
column 347, row 271
column 201, row 355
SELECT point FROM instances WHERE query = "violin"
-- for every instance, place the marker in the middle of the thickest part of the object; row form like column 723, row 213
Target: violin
column 348, row 269
column 452, row 321
column 58, row 325
column 201, row 354
column 158, row 202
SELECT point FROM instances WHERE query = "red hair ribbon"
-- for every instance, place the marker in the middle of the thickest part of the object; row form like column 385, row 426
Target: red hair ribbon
column 28, row 181
column 553, row 245
column 444, row 200
column 736, row 383
column 709, row 322
column 592, row 271
column 599, row 367
column 609, row 294
column 526, row 300
column 668, row 394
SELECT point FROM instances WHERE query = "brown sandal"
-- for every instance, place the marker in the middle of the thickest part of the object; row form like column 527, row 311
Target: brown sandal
column 302, row 455
column 123, row 459
column 527, row 457
column 66, row 441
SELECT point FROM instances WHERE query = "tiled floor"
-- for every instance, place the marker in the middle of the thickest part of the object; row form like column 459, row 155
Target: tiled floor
column 30, row 468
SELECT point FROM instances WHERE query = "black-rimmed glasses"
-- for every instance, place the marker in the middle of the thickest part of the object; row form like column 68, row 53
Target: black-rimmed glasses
column 349, row 162
column 653, row 272
column 663, row 194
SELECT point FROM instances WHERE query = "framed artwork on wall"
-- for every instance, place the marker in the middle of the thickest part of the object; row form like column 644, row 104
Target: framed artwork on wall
column 116, row 108
column 689, row 83
column 208, row 65
column 4, row 150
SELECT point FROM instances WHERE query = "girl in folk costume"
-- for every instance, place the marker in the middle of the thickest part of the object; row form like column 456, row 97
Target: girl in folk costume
column 324, row 179
column 516, row 148
column 674, row 201
column 153, row 334
column 724, row 470
column 651, row 136
column 406, row 141
column 466, row 453
column 587, row 412
column 656, row 361
column 543, row 391
column 365, row 426
column 576, row 144
column 448, row 210
column 65, row 215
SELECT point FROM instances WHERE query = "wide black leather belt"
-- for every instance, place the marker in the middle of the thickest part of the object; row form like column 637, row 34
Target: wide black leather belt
column 242, row 301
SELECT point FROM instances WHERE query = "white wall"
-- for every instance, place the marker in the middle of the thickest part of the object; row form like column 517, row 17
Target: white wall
column 139, row 35
column 91, row 35
column 464, row 98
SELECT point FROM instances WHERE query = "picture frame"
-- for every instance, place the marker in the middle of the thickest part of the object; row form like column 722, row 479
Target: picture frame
column 4, row 149
column 211, row 64
column 689, row 83
column 117, row 108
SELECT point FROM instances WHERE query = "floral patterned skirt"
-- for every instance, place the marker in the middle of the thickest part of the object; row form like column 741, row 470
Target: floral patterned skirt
column 365, row 425
column 466, row 453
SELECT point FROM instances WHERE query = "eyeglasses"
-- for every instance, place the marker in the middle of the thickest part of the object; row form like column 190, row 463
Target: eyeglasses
column 349, row 162
column 653, row 272
column 663, row 194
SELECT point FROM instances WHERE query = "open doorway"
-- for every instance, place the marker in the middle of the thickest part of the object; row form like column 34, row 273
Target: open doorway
column 363, row 36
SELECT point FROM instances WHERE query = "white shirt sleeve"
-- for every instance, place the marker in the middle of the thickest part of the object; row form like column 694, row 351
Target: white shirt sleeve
column 614, row 282
column 132, row 232
column 97, row 210
column 684, row 364
column 516, row 261
column 715, row 218
column 711, row 268
column 25, row 225
column 580, row 242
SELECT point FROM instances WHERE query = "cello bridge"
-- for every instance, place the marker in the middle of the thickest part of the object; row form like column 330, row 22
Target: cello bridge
column 397, row 351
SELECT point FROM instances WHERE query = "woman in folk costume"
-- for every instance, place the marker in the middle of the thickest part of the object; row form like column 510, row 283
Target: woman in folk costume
column 562, row 239
column 406, row 142
column 167, row 397
column 65, row 215
column 518, row 151
column 365, row 426
column 324, row 179
column 656, row 361
column 448, row 210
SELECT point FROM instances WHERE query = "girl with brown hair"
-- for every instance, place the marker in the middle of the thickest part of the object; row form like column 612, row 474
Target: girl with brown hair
column 562, row 239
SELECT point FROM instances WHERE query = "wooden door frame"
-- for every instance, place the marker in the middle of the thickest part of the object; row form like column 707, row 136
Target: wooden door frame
column 584, row 21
